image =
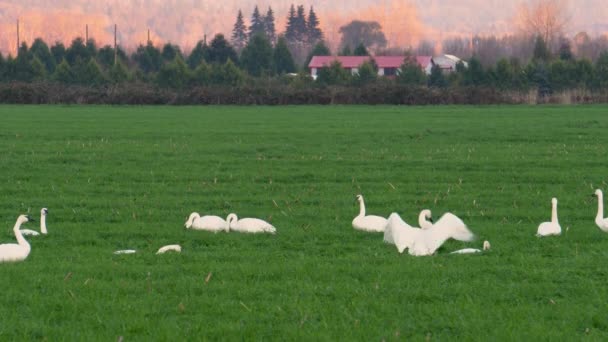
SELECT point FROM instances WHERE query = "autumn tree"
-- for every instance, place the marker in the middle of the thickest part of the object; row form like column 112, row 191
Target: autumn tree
column 368, row 33
column 545, row 18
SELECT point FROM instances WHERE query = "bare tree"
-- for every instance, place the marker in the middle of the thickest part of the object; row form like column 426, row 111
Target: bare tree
column 545, row 18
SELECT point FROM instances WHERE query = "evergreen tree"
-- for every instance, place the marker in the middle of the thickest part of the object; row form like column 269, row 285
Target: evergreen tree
column 257, row 56
column 474, row 74
column 269, row 26
column 105, row 56
column 290, row 30
column 314, row 33
column 565, row 51
column 411, row 73
column 118, row 73
column 360, row 50
column 220, row 51
column 283, row 61
column 366, row 74
column 227, row 74
column 239, row 34
column 333, row 75
column 601, row 71
column 39, row 71
column 23, row 68
column 257, row 24
column 90, row 73
column 91, row 48
column 23, row 52
column 346, row 51
column 436, row 79
column 148, row 58
column 174, row 74
column 64, row 73
column 320, row 49
column 199, row 54
column 202, row 75
column 58, row 52
column 170, row 52
column 40, row 50
column 77, row 52
column 301, row 25
column 2, row 68
column 504, row 74
column 540, row 78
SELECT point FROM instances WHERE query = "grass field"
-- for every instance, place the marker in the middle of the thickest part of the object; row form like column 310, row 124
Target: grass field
column 127, row 177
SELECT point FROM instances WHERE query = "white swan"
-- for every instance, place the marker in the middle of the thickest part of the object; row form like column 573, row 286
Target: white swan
column 16, row 251
column 248, row 225
column 601, row 222
column 553, row 227
column 174, row 248
column 421, row 242
column 126, row 251
column 486, row 247
column 29, row 232
column 370, row 223
column 448, row 220
column 208, row 222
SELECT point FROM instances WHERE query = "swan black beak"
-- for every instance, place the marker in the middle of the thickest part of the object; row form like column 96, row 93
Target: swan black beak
column 431, row 219
column 30, row 219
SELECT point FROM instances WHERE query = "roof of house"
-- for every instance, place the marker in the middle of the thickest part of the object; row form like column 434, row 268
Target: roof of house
column 356, row 61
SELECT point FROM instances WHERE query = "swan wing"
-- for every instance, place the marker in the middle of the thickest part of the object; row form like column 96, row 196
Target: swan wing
column 125, row 251
column 29, row 232
column 210, row 223
column 458, row 229
column 402, row 233
column 173, row 248
column 466, row 251
column 252, row 225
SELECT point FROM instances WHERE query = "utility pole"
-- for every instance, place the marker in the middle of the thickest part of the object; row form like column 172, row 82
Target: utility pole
column 115, row 47
column 86, row 35
column 148, row 42
column 18, row 38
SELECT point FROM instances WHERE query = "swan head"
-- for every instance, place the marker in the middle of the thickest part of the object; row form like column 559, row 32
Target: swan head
column 44, row 211
column 426, row 214
column 598, row 193
column 24, row 218
column 191, row 218
column 359, row 198
column 231, row 217
column 554, row 201
column 486, row 245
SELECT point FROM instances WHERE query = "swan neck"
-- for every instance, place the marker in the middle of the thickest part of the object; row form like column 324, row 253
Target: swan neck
column 361, row 208
column 554, row 213
column 20, row 239
column 422, row 221
column 43, row 224
column 600, row 207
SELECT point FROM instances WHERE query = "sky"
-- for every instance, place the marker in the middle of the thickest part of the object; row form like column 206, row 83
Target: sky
column 184, row 22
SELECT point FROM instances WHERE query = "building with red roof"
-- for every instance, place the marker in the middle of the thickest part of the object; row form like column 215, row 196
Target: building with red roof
column 387, row 65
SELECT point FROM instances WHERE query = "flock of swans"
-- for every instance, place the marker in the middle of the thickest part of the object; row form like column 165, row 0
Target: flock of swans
column 429, row 236
column 419, row 241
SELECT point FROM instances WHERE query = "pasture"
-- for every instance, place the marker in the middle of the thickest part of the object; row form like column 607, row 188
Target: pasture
column 127, row 177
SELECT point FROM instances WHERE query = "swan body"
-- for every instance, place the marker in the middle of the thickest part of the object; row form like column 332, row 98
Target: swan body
column 29, row 232
column 601, row 222
column 10, row 252
column 369, row 223
column 125, row 251
column 422, row 242
column 208, row 222
column 553, row 227
column 174, row 248
column 248, row 225
column 486, row 247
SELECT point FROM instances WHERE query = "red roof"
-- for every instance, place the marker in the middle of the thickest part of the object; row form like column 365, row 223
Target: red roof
column 356, row 61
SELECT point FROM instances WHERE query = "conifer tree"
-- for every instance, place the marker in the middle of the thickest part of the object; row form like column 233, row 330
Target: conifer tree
column 314, row 33
column 239, row 34
column 257, row 24
column 269, row 26
column 290, row 30
column 283, row 61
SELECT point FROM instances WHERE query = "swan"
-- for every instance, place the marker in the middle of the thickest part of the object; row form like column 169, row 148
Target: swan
column 208, row 222
column 30, row 232
column 248, row 225
column 421, row 242
column 370, row 223
column 126, row 251
column 601, row 222
column 553, row 227
column 175, row 248
column 486, row 247
column 16, row 251
column 448, row 220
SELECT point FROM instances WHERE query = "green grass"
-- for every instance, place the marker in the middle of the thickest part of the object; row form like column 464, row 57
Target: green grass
column 127, row 177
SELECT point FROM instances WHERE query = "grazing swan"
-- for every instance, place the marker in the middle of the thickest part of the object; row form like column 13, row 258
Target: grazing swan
column 486, row 247
column 370, row 223
column 209, row 222
column 175, row 248
column 16, row 251
column 126, row 251
column 421, row 242
column 248, row 225
column 601, row 222
column 553, row 227
column 30, row 232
